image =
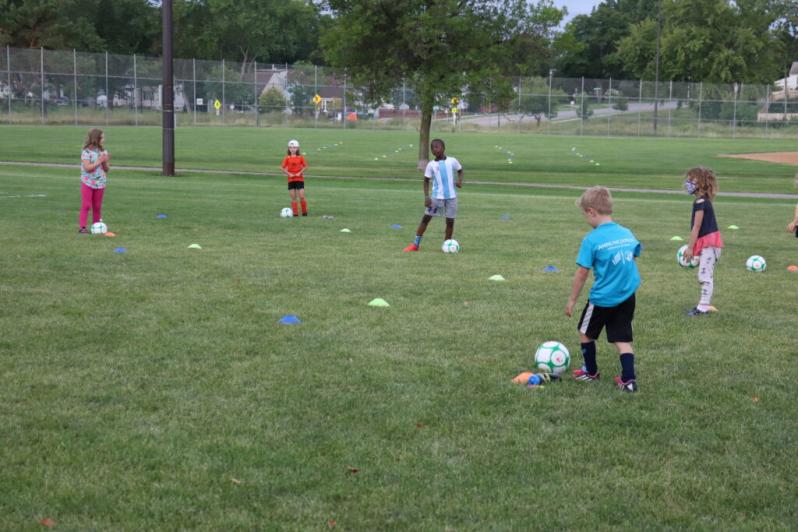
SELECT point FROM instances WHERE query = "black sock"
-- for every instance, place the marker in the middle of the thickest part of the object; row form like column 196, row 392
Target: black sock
column 628, row 367
column 589, row 354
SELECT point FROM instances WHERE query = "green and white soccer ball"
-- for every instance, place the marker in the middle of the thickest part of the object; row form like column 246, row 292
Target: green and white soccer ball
column 99, row 228
column 450, row 246
column 755, row 263
column 286, row 213
column 553, row 358
column 683, row 262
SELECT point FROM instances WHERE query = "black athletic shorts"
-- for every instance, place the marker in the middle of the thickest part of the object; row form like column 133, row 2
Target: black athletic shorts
column 617, row 320
column 296, row 185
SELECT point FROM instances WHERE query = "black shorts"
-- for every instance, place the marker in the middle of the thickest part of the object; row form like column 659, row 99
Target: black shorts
column 296, row 185
column 617, row 319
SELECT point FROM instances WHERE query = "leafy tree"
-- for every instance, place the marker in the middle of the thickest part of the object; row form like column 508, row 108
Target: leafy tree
column 535, row 101
column 589, row 45
column 786, row 34
column 621, row 104
column 48, row 24
column 440, row 47
column 272, row 101
column 276, row 31
column 584, row 111
column 708, row 40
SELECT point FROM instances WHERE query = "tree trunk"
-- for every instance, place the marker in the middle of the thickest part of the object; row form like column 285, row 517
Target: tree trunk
column 423, row 134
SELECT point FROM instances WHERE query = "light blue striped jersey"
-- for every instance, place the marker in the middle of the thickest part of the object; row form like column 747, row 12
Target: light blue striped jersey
column 443, row 175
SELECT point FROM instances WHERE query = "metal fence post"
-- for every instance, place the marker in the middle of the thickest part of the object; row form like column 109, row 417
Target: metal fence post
column 582, row 109
column 257, row 109
column 767, row 110
column 224, row 102
column 520, row 83
column 135, row 91
column 107, row 96
column 548, row 118
column 734, row 113
column 670, row 101
column 343, row 112
column 700, row 99
column 639, row 107
column 41, row 67
column 315, row 92
column 786, row 95
column 10, row 91
column 75, row 84
column 609, row 100
column 194, row 85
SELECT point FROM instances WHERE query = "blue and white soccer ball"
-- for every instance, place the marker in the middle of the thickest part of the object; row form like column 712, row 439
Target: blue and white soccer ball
column 99, row 228
column 450, row 246
column 552, row 357
column 286, row 213
column 683, row 262
column 755, row 263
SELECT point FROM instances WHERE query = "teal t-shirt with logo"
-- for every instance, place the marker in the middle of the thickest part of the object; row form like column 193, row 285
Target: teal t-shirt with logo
column 610, row 250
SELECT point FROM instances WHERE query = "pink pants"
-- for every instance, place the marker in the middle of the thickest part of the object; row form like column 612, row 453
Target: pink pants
column 92, row 198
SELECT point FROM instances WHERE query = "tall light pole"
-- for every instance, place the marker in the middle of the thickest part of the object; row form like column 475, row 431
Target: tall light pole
column 167, row 91
column 656, row 74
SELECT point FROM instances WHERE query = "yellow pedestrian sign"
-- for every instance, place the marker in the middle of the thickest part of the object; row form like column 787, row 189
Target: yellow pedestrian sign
column 217, row 104
column 455, row 100
column 317, row 99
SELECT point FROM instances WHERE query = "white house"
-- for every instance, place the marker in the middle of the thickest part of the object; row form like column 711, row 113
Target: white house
column 791, row 81
column 781, row 104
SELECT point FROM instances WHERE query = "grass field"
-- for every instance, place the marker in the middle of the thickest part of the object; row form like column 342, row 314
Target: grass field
column 155, row 388
column 633, row 162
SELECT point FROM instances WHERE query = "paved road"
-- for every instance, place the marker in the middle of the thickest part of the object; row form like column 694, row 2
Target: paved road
column 414, row 180
column 568, row 115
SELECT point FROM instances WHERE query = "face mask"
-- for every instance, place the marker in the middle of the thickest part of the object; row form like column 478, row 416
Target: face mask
column 689, row 186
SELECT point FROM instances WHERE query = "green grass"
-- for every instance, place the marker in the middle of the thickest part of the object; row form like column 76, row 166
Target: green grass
column 631, row 162
column 155, row 389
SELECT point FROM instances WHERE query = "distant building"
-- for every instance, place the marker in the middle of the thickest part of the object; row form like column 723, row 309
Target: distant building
column 783, row 101
column 790, row 83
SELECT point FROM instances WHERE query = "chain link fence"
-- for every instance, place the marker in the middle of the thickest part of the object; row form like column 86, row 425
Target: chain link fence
column 40, row 86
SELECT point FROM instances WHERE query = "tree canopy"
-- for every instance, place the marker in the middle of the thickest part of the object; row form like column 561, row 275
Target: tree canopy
column 707, row 40
column 439, row 47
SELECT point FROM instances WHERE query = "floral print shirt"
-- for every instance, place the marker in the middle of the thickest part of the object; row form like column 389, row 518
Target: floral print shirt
column 95, row 178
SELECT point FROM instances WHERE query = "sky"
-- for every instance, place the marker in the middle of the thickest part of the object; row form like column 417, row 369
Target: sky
column 577, row 7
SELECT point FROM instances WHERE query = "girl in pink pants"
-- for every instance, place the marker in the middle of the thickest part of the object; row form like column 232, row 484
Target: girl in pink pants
column 93, row 168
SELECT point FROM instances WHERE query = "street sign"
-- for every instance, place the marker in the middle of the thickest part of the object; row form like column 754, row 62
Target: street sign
column 317, row 99
column 455, row 100
column 217, row 104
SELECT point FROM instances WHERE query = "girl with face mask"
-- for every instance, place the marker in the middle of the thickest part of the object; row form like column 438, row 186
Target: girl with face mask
column 705, row 240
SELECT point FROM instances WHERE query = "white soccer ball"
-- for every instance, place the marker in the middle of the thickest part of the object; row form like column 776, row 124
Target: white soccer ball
column 683, row 262
column 552, row 357
column 755, row 263
column 450, row 246
column 286, row 213
column 99, row 228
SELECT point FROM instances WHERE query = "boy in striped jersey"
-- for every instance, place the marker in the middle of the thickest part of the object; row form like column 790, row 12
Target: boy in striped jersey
column 443, row 200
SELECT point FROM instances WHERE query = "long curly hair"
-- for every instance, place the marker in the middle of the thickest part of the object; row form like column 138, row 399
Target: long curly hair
column 705, row 181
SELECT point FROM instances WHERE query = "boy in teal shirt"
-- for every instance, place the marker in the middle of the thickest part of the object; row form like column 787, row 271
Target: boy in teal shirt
column 610, row 251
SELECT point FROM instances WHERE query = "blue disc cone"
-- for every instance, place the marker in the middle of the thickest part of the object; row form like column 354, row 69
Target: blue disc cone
column 551, row 268
column 120, row 250
column 396, row 226
column 160, row 216
column 290, row 319
column 504, row 217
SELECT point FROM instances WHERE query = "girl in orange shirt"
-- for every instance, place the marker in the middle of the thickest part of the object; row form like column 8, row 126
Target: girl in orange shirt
column 293, row 165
